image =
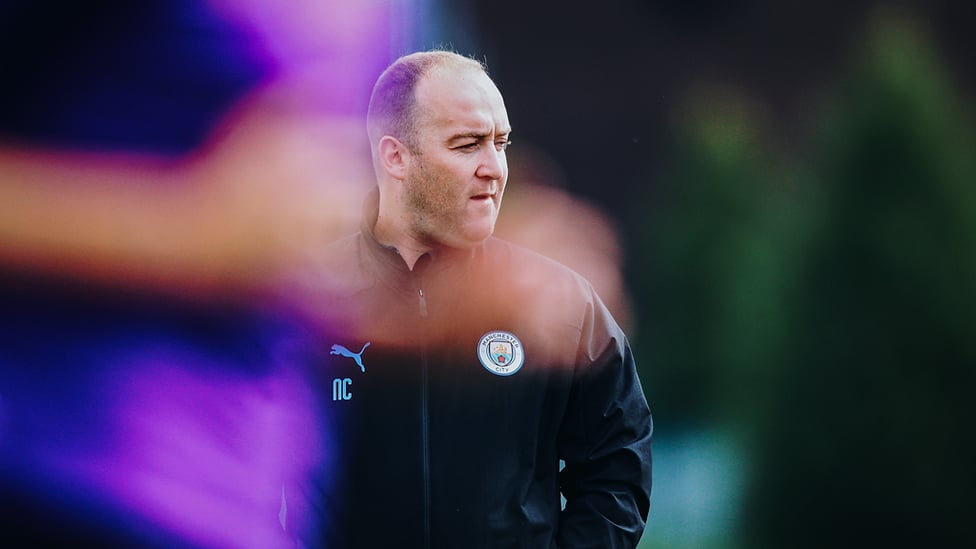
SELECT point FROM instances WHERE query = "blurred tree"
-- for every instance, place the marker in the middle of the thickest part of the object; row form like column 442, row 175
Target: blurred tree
column 869, row 441
column 723, row 251
column 722, row 230
column 821, row 301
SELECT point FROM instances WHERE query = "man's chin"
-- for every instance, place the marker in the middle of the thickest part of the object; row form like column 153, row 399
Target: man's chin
column 473, row 237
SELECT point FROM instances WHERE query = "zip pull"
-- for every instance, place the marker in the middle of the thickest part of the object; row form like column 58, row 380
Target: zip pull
column 419, row 268
column 423, row 302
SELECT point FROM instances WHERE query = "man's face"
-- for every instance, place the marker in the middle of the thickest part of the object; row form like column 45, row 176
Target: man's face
column 456, row 178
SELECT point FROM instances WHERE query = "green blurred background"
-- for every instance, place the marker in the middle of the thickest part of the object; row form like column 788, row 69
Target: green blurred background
column 794, row 187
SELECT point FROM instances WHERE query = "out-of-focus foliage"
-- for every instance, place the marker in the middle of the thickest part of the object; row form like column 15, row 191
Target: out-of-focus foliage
column 723, row 240
column 821, row 300
column 870, row 440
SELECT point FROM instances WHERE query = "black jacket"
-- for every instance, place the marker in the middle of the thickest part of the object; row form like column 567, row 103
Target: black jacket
column 478, row 372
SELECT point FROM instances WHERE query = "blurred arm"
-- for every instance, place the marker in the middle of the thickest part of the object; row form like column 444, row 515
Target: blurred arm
column 271, row 188
column 138, row 220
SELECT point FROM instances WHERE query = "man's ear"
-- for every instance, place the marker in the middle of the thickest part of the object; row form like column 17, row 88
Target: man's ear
column 394, row 157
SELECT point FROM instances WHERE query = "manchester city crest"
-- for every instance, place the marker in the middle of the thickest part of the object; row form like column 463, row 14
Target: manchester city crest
column 501, row 353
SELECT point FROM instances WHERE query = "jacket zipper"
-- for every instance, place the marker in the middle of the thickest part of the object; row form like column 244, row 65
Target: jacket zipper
column 424, row 413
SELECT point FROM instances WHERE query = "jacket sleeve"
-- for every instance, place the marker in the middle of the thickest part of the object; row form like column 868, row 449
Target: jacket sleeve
column 605, row 441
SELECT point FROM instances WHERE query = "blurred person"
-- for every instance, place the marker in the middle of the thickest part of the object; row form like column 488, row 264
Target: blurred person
column 183, row 146
column 157, row 172
column 458, row 370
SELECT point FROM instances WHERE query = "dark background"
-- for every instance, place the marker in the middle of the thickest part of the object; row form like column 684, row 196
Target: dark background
column 603, row 84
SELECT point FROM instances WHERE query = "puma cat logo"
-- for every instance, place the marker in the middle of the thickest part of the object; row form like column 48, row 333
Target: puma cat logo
column 358, row 357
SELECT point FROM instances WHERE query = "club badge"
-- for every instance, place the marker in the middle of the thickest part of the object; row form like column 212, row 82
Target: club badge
column 501, row 353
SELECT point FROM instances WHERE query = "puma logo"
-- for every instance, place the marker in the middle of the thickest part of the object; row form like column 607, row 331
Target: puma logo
column 358, row 357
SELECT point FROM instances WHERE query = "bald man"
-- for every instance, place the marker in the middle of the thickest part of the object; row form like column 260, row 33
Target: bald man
column 459, row 371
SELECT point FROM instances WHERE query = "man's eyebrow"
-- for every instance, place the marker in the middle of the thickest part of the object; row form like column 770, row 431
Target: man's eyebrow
column 468, row 135
column 477, row 135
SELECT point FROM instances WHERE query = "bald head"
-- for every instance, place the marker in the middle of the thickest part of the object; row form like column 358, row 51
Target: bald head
column 393, row 105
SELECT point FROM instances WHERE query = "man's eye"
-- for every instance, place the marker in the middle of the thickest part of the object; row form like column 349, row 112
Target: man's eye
column 502, row 145
column 468, row 146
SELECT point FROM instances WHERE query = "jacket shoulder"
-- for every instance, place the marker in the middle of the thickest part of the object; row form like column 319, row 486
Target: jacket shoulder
column 539, row 281
column 529, row 269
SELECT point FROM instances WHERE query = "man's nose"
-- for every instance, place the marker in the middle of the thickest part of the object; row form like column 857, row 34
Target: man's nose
column 493, row 164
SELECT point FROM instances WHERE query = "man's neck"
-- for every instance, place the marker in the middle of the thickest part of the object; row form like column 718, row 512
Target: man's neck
column 409, row 248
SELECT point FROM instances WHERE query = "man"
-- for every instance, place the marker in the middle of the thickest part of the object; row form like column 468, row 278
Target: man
column 460, row 369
